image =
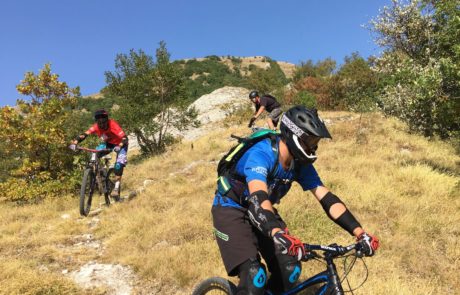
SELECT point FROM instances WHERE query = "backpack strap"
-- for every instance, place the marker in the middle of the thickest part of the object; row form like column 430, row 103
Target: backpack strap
column 223, row 182
column 275, row 150
column 273, row 140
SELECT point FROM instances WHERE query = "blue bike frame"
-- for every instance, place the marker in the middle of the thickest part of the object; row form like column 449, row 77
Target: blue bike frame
column 329, row 277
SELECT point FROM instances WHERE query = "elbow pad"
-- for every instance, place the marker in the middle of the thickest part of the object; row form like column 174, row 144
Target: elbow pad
column 81, row 137
column 346, row 221
column 263, row 220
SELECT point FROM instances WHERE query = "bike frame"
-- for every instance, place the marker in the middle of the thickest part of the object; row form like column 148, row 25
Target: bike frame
column 96, row 166
column 329, row 277
column 326, row 277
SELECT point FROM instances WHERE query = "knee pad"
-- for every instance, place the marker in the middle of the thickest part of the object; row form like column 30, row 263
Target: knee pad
column 253, row 277
column 290, row 273
column 118, row 169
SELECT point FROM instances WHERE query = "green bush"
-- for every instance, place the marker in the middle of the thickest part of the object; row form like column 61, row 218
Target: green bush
column 420, row 67
column 305, row 98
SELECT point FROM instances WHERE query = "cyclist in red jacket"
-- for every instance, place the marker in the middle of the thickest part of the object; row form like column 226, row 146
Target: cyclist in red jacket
column 114, row 138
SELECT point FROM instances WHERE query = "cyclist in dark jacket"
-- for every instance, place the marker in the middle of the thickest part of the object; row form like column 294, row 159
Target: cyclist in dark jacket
column 246, row 224
column 114, row 138
column 265, row 103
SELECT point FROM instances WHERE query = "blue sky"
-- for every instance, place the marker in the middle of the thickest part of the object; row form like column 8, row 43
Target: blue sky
column 80, row 38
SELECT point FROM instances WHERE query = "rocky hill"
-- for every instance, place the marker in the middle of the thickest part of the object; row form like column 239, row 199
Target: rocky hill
column 258, row 61
column 212, row 108
column 202, row 68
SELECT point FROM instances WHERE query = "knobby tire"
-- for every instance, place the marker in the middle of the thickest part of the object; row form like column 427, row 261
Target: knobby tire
column 215, row 285
column 87, row 190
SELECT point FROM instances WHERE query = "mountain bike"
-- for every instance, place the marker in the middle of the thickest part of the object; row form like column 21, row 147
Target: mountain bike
column 328, row 281
column 98, row 175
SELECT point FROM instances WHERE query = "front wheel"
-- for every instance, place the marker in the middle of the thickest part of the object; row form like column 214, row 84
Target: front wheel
column 215, row 285
column 86, row 192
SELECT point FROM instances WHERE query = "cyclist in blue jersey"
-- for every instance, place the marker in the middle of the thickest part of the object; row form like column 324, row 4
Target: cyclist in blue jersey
column 247, row 225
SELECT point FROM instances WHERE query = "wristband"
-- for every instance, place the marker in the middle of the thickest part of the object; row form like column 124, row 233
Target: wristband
column 81, row 137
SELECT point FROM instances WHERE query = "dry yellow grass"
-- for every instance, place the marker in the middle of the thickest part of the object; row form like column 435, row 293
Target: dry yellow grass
column 402, row 187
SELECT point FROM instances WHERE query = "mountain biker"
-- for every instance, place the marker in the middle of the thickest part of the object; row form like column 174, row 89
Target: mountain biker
column 247, row 225
column 265, row 103
column 114, row 138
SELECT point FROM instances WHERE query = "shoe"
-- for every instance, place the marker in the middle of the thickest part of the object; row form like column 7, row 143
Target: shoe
column 116, row 196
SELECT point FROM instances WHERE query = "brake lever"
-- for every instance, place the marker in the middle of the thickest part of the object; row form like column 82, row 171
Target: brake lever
column 359, row 254
column 310, row 255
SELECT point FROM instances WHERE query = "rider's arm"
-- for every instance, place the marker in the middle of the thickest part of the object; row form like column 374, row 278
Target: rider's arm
column 81, row 137
column 261, row 110
column 118, row 131
column 124, row 141
column 337, row 211
column 260, row 208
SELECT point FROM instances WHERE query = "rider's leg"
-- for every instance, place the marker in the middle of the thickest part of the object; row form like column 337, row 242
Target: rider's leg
column 270, row 124
column 274, row 117
column 120, row 163
column 284, row 269
column 253, row 277
column 118, row 170
column 238, row 245
column 285, row 272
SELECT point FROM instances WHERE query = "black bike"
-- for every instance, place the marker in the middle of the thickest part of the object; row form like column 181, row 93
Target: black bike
column 98, row 175
column 327, row 282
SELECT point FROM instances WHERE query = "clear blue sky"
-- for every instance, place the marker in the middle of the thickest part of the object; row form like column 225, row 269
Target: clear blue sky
column 80, row 38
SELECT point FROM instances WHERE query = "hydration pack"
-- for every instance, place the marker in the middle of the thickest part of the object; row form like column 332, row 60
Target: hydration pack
column 228, row 162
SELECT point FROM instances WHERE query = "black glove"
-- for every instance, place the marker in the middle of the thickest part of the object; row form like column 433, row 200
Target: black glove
column 369, row 243
column 251, row 122
column 289, row 245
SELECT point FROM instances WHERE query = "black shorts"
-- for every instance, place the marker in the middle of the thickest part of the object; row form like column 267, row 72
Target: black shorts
column 239, row 240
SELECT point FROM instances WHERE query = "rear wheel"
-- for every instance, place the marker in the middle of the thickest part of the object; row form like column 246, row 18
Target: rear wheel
column 215, row 285
column 88, row 185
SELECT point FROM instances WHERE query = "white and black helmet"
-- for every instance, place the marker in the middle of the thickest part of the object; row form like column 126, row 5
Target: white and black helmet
column 302, row 129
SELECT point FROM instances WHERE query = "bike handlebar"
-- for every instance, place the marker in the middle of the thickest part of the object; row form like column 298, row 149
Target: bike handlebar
column 332, row 250
column 93, row 150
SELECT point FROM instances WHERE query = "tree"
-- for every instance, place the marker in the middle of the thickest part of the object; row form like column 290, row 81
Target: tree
column 421, row 64
column 317, row 87
column 311, row 84
column 151, row 96
column 322, row 68
column 34, row 133
column 354, row 87
column 270, row 80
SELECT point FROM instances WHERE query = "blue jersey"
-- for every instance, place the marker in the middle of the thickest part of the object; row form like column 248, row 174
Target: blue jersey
column 259, row 161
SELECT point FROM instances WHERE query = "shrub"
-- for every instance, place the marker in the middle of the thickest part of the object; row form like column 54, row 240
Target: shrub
column 35, row 133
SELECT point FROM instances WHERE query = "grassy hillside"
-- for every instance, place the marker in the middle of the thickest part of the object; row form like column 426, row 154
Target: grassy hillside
column 206, row 74
column 401, row 187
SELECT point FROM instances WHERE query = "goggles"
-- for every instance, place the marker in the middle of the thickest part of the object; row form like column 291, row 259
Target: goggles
column 309, row 143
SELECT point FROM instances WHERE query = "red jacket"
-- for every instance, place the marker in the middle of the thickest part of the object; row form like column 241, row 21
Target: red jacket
column 114, row 134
